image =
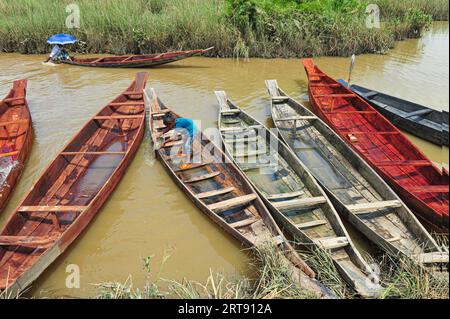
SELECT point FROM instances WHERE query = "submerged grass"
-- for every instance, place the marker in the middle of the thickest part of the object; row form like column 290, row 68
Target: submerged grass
column 240, row 28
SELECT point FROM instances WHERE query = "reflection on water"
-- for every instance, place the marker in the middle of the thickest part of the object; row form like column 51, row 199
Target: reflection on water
column 148, row 214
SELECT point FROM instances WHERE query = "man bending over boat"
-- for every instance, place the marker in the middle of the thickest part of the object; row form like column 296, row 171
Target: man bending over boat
column 188, row 131
column 58, row 54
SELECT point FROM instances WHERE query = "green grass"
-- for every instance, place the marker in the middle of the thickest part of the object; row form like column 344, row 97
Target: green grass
column 243, row 28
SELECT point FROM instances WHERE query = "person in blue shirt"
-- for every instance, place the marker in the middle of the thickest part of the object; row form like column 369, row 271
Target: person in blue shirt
column 183, row 126
column 58, row 53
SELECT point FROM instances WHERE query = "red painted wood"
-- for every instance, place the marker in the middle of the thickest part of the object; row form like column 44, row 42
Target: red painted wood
column 379, row 141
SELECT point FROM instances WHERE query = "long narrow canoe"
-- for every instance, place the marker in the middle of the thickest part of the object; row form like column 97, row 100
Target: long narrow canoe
column 290, row 192
column 419, row 120
column 407, row 170
column 217, row 187
column 16, row 137
column 356, row 190
column 72, row 189
column 136, row 61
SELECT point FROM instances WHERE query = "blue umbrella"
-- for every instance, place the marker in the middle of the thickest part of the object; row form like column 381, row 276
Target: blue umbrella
column 62, row 39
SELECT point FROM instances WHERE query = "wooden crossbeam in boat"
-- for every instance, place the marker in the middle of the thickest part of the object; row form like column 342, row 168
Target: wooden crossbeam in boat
column 194, row 166
column 431, row 258
column 13, row 99
column 174, row 143
column 405, row 163
column 25, row 241
column 4, row 124
column 9, row 154
column 248, row 139
column 240, row 128
column 365, row 208
column 394, row 239
column 97, row 60
column 202, row 177
column 285, row 195
column 258, row 166
column 232, row 203
column 337, row 95
column 333, row 243
column 325, row 85
column 297, row 118
column 230, row 111
column 61, row 209
column 161, row 113
column 352, row 112
column 119, row 117
column 243, row 223
column 133, row 93
column 251, row 153
column 215, row 192
column 126, row 103
column 313, row 223
column 280, row 98
column 92, row 153
column 428, row 189
column 300, row 203
column 369, row 133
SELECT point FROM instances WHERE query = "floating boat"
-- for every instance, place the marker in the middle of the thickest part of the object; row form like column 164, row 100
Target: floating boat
column 72, row 189
column 421, row 121
column 16, row 137
column 407, row 170
column 217, row 187
column 356, row 190
column 136, row 61
column 294, row 198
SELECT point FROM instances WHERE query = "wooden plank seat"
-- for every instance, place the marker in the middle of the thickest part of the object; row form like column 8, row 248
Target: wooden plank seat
column 332, row 243
column 280, row 98
column 202, row 177
column 217, row 192
column 365, row 208
column 314, row 223
column 54, row 209
column 13, row 99
column 428, row 189
column 230, row 112
column 9, row 154
column 248, row 139
column 370, row 133
column 174, row 143
column 251, row 153
column 93, row 153
column 4, row 124
column 285, row 195
column 405, row 163
column 240, row 128
column 97, row 60
column 258, row 166
column 297, row 118
column 133, row 93
column 119, row 117
column 331, row 85
column 430, row 258
column 300, row 203
column 336, row 95
column 232, row 203
column 128, row 103
column 26, row 241
column 194, row 166
column 352, row 112
column 244, row 223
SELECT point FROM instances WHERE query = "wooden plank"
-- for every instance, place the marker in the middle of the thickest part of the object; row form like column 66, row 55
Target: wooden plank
column 13, row 99
column 9, row 154
column 230, row 111
column 202, row 177
column 25, row 241
column 285, row 195
column 192, row 167
column 313, row 223
column 118, row 117
column 369, row 133
column 173, row 143
column 243, row 223
column 126, row 103
column 280, row 98
column 430, row 258
column 232, row 203
column 404, row 163
column 92, row 153
column 333, row 243
column 251, row 153
column 248, row 139
column 352, row 112
column 336, row 95
column 369, row 207
column 14, row 122
column 300, row 203
column 394, row 239
column 296, row 118
column 215, row 193
column 51, row 208
column 240, row 129
column 428, row 189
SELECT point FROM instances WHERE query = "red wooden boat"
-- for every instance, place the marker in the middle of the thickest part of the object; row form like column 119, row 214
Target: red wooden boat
column 16, row 136
column 136, row 61
column 408, row 171
column 72, row 189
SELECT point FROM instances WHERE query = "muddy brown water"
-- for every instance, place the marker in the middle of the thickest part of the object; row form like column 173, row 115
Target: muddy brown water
column 148, row 215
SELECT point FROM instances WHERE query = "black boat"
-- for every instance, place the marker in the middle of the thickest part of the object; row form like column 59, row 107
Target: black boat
column 421, row 121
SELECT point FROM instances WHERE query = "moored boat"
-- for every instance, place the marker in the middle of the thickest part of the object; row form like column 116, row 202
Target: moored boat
column 135, row 61
column 419, row 120
column 294, row 198
column 217, row 187
column 72, row 189
column 407, row 170
column 356, row 190
column 16, row 138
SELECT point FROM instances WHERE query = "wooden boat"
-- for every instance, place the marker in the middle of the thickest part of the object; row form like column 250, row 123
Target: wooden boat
column 16, row 137
column 359, row 194
column 217, row 187
column 421, row 121
column 294, row 198
column 407, row 170
column 136, row 61
column 72, row 189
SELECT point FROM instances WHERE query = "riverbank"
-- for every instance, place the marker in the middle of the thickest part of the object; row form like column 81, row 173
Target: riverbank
column 243, row 28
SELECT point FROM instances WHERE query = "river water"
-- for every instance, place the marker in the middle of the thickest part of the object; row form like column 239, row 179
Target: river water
column 148, row 215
